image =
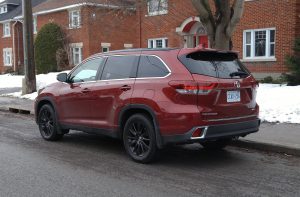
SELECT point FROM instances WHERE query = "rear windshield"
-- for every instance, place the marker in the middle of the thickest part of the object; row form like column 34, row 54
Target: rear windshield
column 215, row 64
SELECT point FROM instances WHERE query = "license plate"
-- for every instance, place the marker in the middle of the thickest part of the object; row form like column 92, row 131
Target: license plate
column 233, row 96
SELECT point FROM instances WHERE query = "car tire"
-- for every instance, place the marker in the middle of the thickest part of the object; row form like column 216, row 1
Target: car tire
column 48, row 124
column 216, row 144
column 139, row 139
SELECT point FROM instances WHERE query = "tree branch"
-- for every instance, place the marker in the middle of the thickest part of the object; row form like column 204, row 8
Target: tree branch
column 238, row 10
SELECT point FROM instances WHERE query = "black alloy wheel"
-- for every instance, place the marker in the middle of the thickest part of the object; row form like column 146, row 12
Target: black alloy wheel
column 139, row 138
column 47, row 124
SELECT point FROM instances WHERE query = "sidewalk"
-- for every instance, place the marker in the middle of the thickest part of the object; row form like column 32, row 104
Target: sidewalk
column 282, row 138
column 17, row 103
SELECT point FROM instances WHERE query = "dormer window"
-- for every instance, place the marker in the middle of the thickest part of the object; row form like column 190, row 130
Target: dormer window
column 3, row 9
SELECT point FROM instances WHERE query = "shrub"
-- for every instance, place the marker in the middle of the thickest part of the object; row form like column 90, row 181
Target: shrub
column 48, row 41
column 62, row 59
column 293, row 63
column 267, row 79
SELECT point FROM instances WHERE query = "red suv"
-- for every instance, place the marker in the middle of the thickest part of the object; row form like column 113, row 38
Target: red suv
column 151, row 98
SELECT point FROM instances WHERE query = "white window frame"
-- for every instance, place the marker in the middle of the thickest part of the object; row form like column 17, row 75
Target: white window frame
column 128, row 46
column 3, row 9
column 158, row 12
column 73, row 53
column 35, row 25
column 105, row 45
column 267, row 57
column 164, row 42
column 7, row 56
column 72, row 24
column 6, row 29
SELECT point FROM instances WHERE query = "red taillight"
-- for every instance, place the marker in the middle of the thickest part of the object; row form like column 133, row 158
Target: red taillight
column 185, row 87
column 206, row 88
column 192, row 87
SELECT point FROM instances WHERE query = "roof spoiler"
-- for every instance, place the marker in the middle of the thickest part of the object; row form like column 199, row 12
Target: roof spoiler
column 200, row 48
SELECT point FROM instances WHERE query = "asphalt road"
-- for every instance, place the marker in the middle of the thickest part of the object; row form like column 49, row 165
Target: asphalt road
column 87, row 165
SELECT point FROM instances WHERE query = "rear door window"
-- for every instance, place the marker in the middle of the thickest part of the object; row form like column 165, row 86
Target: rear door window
column 120, row 67
column 151, row 66
column 214, row 64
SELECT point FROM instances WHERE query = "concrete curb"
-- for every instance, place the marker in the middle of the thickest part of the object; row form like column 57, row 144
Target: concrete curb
column 266, row 147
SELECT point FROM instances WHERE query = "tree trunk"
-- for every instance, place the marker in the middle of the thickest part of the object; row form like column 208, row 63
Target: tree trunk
column 222, row 24
column 222, row 41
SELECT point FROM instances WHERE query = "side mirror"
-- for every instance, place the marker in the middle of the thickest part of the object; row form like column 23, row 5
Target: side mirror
column 62, row 77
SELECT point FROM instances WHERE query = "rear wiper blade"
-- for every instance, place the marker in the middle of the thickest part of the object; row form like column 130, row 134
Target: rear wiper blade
column 238, row 73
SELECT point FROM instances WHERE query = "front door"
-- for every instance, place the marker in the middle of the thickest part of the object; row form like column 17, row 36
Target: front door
column 193, row 41
column 76, row 96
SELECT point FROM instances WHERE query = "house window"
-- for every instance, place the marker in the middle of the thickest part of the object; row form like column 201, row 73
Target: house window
column 35, row 24
column 6, row 30
column 259, row 44
column 76, row 53
column 3, row 9
column 7, row 56
column 105, row 47
column 74, row 19
column 158, row 43
column 157, row 7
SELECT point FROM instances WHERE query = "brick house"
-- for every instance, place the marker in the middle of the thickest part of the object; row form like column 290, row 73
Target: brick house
column 263, row 38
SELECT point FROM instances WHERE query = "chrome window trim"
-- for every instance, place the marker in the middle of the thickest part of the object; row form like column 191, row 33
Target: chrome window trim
column 136, row 78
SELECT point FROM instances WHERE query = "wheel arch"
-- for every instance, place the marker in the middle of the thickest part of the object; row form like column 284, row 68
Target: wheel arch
column 44, row 101
column 131, row 109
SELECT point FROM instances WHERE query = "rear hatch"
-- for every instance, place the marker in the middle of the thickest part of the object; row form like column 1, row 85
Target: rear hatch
column 226, row 89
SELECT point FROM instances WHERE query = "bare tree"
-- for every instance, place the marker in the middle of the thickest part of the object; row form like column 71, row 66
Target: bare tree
column 221, row 25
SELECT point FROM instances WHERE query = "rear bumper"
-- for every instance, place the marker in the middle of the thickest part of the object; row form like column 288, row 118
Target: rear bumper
column 215, row 132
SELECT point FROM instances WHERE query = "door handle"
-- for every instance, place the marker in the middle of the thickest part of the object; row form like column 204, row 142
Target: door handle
column 86, row 90
column 125, row 88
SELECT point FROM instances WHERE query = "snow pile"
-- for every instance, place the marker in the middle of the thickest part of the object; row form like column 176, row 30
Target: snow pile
column 279, row 103
column 15, row 81
column 10, row 81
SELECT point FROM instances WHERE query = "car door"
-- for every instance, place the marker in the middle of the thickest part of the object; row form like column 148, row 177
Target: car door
column 76, row 96
column 114, row 90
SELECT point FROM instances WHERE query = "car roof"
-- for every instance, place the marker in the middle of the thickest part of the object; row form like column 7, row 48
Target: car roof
column 181, row 51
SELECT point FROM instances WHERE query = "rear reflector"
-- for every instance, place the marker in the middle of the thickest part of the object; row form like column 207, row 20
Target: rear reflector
column 197, row 133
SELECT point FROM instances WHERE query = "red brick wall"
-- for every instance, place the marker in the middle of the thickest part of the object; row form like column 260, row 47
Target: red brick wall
column 165, row 25
column 297, row 31
column 98, row 25
column 110, row 26
column 266, row 14
column 73, row 35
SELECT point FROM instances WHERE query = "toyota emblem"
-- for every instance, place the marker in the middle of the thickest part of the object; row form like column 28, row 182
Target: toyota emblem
column 237, row 84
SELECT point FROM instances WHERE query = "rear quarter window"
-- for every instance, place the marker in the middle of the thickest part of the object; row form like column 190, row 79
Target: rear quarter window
column 151, row 66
